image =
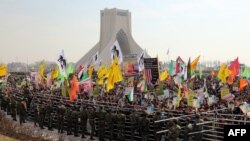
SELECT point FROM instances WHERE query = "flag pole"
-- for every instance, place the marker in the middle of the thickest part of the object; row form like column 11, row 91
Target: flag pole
column 168, row 56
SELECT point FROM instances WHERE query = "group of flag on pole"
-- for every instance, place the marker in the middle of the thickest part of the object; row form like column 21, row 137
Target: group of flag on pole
column 178, row 68
column 108, row 77
column 234, row 70
column 227, row 74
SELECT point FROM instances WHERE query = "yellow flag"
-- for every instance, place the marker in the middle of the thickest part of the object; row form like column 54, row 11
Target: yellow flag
column 110, row 78
column 3, row 70
column 117, row 72
column 55, row 73
column 102, row 72
column 194, row 63
column 100, row 81
column 90, row 72
column 163, row 75
column 114, row 74
column 110, row 82
column 224, row 72
column 41, row 70
column 106, row 75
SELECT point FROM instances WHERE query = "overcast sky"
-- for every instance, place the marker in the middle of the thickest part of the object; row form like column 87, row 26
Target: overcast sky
column 32, row 30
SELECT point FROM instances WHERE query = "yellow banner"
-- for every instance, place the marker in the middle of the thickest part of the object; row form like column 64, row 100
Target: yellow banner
column 191, row 96
column 224, row 93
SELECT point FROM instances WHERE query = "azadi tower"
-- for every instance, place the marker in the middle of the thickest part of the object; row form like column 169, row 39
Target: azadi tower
column 115, row 25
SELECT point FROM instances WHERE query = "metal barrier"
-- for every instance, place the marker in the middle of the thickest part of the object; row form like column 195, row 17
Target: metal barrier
column 203, row 131
column 163, row 120
column 212, row 127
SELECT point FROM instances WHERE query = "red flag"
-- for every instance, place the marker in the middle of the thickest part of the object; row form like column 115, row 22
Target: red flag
column 235, row 70
column 79, row 68
column 177, row 67
column 235, row 66
column 178, row 64
column 231, row 77
column 243, row 84
column 74, row 88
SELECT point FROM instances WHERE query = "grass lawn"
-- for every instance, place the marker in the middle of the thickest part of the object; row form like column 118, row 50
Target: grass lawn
column 5, row 138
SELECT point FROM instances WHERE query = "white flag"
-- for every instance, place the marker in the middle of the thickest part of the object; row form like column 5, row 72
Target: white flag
column 116, row 51
column 141, row 61
column 95, row 58
column 61, row 62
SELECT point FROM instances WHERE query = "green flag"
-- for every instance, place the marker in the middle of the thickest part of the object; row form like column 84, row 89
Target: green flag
column 70, row 70
column 245, row 73
column 189, row 69
column 129, row 91
column 85, row 76
column 200, row 73
column 131, row 96
column 171, row 68
column 192, row 73
column 61, row 77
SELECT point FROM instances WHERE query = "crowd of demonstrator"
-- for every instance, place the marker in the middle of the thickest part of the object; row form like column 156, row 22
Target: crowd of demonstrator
column 112, row 115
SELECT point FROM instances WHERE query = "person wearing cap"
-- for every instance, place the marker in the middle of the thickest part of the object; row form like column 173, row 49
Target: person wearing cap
column 188, row 129
column 101, row 116
column 68, row 118
column 35, row 109
column 157, row 126
column 133, row 122
column 174, row 131
column 84, row 119
column 109, row 119
column 49, row 110
column 198, row 128
column 8, row 104
column 13, row 107
column 75, row 119
column 21, row 110
column 42, row 112
column 91, row 116
column 120, row 125
column 144, row 126
column 61, row 114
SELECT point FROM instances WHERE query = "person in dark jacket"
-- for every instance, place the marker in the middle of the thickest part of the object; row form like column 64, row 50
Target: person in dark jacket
column 22, row 110
column 84, row 119
column 91, row 116
column 61, row 114
column 49, row 111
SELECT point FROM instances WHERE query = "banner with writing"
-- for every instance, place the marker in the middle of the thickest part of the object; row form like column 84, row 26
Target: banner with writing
column 225, row 93
column 151, row 70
